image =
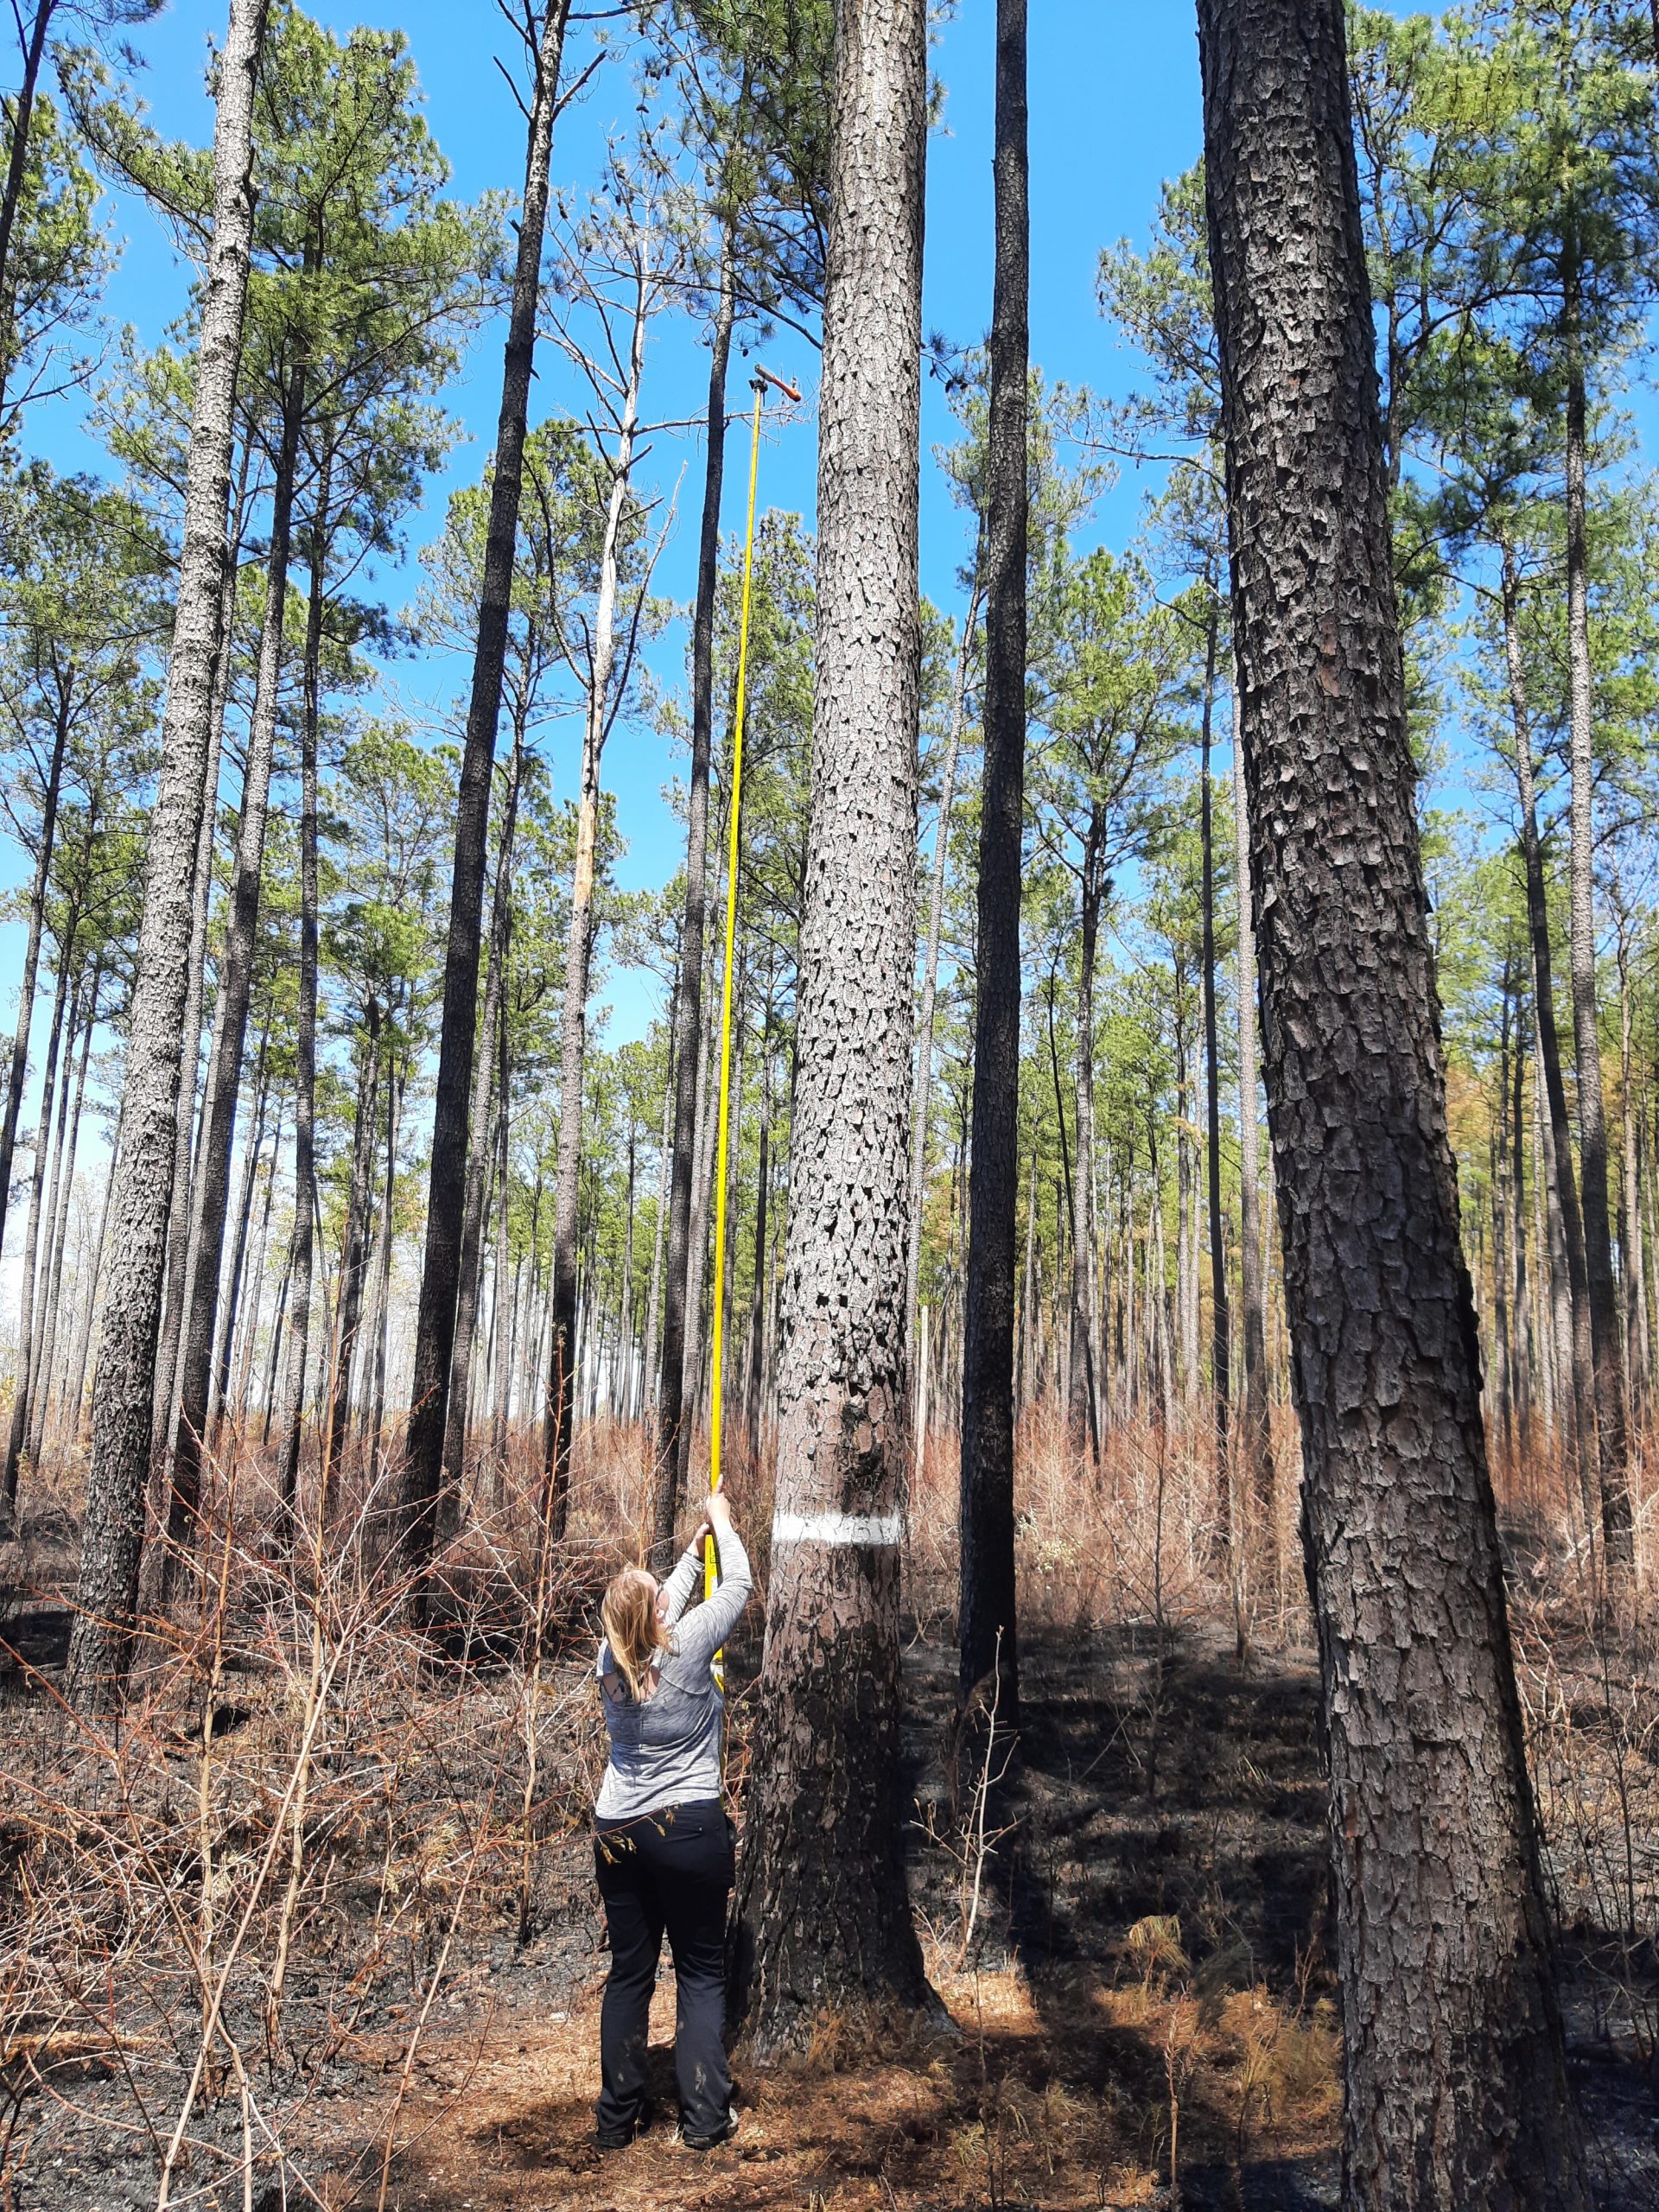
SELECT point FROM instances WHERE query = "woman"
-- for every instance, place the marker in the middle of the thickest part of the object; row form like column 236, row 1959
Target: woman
column 662, row 1842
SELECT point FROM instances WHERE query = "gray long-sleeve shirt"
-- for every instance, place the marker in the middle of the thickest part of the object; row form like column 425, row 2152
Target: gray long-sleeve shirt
column 665, row 1748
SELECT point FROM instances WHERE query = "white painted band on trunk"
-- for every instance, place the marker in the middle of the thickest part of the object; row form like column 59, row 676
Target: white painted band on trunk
column 871, row 1528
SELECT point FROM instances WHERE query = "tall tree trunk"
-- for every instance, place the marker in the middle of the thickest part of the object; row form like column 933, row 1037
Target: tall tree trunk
column 63, row 1178
column 113, row 1527
column 435, row 1327
column 240, row 1404
column 397, row 1083
column 22, row 112
column 987, row 1611
column 762, row 1201
column 1255, row 1417
column 209, row 1199
column 220, row 1396
column 679, row 1288
column 1455, row 2074
column 660, row 1233
column 303, row 1257
column 183, row 1228
column 1612, row 1442
column 355, row 1254
column 76, row 1393
column 1078, row 1372
column 1634, row 1271
column 1083, row 1391
column 1563, row 1182
column 579, row 954
column 822, row 1913
column 1221, row 1385
column 697, row 1253
column 472, row 1231
column 931, row 962
column 1525, row 1345
column 501, row 1363
column 1502, row 1344
column 1025, row 1379
column 67, row 998
column 1562, row 1347
column 42, row 878
column 274, row 1358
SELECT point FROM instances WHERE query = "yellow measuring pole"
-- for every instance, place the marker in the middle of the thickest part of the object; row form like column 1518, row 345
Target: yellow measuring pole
column 762, row 378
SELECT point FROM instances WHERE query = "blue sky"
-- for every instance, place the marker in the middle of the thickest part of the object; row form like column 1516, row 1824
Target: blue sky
column 1115, row 111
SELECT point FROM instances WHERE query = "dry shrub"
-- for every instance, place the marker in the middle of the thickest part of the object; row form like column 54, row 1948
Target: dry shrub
column 307, row 1821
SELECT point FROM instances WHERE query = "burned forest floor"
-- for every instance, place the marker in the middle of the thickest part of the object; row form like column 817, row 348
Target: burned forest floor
column 348, row 1953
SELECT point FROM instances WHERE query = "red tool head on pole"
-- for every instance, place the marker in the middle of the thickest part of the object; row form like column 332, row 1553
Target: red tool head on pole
column 763, row 376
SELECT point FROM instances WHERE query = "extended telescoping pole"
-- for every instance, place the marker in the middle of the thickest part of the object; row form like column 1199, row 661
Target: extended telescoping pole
column 761, row 379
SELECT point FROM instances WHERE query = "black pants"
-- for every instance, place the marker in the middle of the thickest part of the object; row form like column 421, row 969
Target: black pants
column 669, row 1869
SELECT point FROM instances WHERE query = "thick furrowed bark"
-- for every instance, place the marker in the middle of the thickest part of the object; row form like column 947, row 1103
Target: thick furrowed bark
column 114, row 1531
column 1456, row 2083
column 823, row 1917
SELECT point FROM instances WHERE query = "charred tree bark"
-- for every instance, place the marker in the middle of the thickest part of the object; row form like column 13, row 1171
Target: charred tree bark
column 821, row 1912
column 1255, row 1413
column 986, row 1613
column 1455, row 2076
column 435, row 1327
column 113, row 1535
column 931, row 963
column 1607, row 1340
column 1083, row 1390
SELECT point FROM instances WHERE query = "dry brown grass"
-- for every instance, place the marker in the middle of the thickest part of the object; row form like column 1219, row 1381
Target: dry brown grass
column 287, row 1932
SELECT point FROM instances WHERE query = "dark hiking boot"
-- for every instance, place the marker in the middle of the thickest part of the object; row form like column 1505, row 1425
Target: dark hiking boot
column 713, row 2138
column 618, row 2139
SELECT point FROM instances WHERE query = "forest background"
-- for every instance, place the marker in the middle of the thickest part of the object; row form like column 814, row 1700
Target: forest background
column 1157, row 1519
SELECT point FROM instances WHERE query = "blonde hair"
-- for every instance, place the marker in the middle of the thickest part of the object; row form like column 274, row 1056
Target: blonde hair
column 629, row 1613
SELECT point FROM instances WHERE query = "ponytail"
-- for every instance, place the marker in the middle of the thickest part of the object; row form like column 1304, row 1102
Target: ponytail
column 629, row 1613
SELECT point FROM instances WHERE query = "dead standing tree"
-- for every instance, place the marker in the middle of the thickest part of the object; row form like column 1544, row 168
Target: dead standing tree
column 1456, row 2087
column 621, row 267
